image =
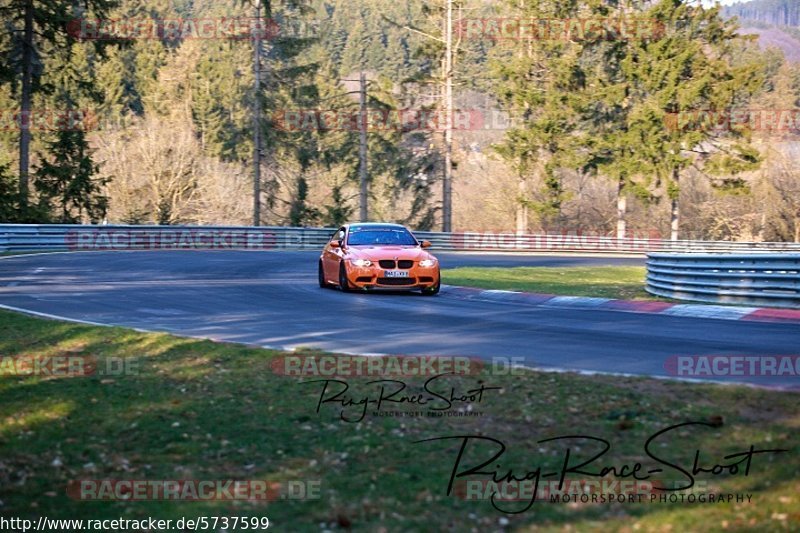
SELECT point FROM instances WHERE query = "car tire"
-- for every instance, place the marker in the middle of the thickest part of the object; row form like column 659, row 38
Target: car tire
column 343, row 283
column 321, row 275
column 432, row 291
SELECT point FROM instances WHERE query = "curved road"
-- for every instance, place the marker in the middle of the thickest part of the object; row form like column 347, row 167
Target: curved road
column 272, row 299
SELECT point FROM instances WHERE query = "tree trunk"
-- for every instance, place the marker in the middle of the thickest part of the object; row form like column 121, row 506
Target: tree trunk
column 257, row 117
column 797, row 228
column 522, row 208
column 363, row 192
column 622, row 208
column 25, row 122
column 447, row 191
column 676, row 209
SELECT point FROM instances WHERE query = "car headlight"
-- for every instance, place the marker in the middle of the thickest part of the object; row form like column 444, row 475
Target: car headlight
column 361, row 262
column 427, row 263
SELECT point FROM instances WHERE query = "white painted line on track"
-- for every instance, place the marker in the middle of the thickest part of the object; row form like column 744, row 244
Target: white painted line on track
column 379, row 354
column 575, row 301
column 32, row 255
column 708, row 311
column 57, row 317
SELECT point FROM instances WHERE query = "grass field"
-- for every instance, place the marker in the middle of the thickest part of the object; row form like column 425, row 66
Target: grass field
column 623, row 282
column 193, row 409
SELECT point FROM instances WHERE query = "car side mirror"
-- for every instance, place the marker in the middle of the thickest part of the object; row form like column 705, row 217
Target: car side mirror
column 336, row 244
column 425, row 244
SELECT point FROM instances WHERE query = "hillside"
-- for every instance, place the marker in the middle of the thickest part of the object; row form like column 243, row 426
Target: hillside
column 776, row 12
column 769, row 37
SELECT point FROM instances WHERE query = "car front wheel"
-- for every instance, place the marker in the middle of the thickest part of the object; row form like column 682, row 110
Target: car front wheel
column 343, row 283
column 321, row 275
column 431, row 291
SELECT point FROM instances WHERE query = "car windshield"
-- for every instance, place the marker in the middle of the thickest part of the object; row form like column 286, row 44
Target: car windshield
column 381, row 236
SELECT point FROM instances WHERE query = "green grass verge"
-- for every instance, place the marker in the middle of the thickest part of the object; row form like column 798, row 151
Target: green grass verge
column 203, row 410
column 622, row 282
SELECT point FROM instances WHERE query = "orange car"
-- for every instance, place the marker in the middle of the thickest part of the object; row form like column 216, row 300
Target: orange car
column 378, row 256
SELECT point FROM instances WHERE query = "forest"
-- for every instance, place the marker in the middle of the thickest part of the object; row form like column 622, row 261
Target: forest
column 777, row 12
column 147, row 112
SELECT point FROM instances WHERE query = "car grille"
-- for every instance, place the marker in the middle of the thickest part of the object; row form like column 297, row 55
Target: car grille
column 396, row 281
column 403, row 263
column 425, row 279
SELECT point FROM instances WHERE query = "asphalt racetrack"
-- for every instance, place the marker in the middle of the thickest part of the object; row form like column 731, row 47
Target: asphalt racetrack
column 272, row 299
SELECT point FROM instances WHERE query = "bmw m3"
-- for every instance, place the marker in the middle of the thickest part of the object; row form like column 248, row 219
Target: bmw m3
column 370, row 256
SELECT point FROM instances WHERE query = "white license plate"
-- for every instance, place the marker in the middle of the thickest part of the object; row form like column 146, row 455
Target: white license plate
column 395, row 273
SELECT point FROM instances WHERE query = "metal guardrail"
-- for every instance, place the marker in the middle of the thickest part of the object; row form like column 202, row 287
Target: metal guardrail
column 725, row 272
column 54, row 237
column 760, row 279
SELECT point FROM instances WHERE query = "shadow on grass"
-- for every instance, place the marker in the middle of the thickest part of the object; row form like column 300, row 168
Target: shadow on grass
column 203, row 410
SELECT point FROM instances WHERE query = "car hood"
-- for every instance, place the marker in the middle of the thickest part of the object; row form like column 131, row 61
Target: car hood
column 376, row 253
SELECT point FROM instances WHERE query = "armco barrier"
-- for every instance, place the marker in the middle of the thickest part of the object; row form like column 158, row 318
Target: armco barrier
column 53, row 237
column 757, row 279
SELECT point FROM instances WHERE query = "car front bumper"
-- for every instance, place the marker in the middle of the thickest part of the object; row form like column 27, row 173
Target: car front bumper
column 374, row 277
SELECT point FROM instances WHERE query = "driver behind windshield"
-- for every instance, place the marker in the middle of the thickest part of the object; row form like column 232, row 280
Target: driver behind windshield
column 381, row 237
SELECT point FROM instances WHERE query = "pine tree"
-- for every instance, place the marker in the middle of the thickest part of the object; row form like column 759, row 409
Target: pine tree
column 39, row 28
column 65, row 180
column 300, row 213
column 337, row 212
column 536, row 83
column 8, row 196
column 691, row 69
column 354, row 54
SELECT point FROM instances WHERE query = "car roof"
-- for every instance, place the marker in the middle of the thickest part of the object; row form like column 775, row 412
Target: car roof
column 376, row 225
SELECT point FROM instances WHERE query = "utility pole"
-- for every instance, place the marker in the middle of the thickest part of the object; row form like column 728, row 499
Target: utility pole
column 522, row 185
column 447, row 205
column 257, row 34
column 362, row 149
